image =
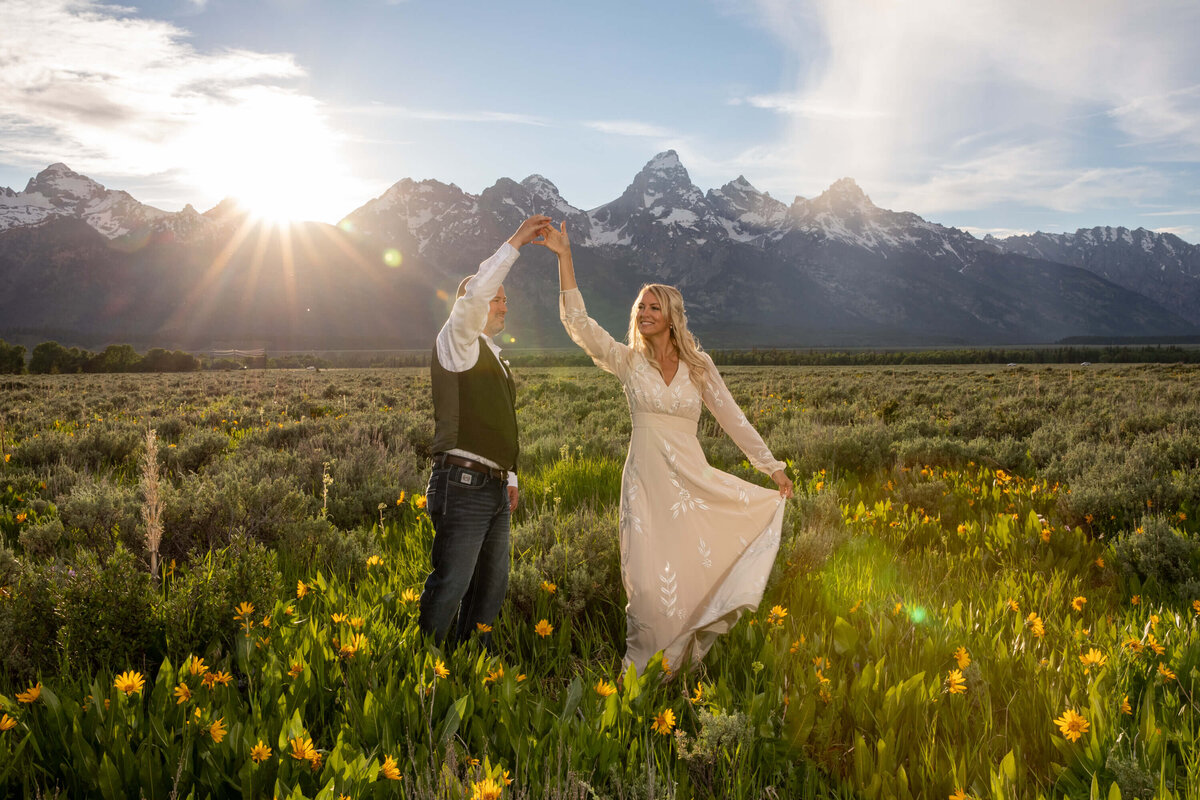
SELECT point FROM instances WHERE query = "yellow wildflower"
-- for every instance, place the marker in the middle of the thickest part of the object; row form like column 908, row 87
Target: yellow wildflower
column 31, row 694
column 959, row 794
column 301, row 589
column 389, row 770
column 664, row 722
column 1100, row 562
column 419, row 501
column 1072, row 724
column 896, row 608
column 1125, row 707
column 1092, row 658
column 605, row 689
column 955, row 683
column 217, row 730
column 962, row 657
column 1196, row 606
column 7, row 723
column 483, row 627
column 356, row 622
column 1014, row 606
column 543, row 628
column 1166, row 672
column 1135, row 645
column 1078, row 603
column 130, row 682
column 338, row 619
column 439, row 669
column 260, row 752
column 1153, row 644
column 182, row 694
column 1035, row 624
column 698, row 695
column 548, row 587
column 409, row 596
column 243, row 609
column 374, row 561
column 1136, row 600
column 296, row 670
column 351, row 648
column 301, row 748
column 494, row 675
column 400, row 499
column 776, row 616
column 486, row 789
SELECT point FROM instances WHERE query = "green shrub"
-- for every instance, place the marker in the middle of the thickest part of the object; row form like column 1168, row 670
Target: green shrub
column 204, row 512
column 98, row 514
column 1163, row 561
column 43, row 540
column 197, row 609
column 314, row 545
column 106, row 612
column 28, row 624
column 195, row 451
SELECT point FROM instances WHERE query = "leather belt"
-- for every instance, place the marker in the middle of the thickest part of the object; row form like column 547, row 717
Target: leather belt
column 441, row 459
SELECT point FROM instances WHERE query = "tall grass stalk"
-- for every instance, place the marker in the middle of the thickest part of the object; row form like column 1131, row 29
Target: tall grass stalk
column 152, row 500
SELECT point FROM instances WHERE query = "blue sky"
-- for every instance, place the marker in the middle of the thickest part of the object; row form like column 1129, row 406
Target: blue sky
column 994, row 116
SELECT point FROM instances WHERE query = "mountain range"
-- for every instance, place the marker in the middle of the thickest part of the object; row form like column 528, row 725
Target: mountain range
column 87, row 265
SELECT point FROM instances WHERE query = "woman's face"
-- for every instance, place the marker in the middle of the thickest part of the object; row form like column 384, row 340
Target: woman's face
column 651, row 316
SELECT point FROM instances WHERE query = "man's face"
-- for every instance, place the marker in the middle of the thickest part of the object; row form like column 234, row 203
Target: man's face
column 497, row 308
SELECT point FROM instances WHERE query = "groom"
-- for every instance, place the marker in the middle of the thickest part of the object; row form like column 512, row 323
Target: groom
column 473, row 488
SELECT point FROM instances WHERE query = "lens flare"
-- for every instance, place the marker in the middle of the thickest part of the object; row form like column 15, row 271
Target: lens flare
column 917, row 614
column 392, row 257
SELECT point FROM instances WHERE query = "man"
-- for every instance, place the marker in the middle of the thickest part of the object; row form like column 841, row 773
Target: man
column 473, row 488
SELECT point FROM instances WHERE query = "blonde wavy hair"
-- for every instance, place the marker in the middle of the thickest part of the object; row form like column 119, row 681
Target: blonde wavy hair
column 671, row 302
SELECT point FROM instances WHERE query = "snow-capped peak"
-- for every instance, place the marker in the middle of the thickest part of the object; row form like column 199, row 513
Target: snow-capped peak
column 59, row 191
column 663, row 162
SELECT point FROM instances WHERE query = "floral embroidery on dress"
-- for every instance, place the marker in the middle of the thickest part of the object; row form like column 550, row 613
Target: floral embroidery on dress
column 705, row 554
column 667, row 590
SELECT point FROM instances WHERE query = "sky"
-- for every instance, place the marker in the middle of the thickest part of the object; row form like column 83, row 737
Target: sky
column 994, row 116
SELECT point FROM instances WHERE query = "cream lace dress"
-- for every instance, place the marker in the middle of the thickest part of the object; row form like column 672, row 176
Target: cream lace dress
column 697, row 544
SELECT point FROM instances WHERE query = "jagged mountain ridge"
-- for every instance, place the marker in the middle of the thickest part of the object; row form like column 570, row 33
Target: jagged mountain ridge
column 59, row 192
column 1160, row 266
column 833, row 270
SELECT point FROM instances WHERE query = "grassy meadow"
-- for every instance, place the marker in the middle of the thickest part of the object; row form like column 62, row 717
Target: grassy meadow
column 988, row 587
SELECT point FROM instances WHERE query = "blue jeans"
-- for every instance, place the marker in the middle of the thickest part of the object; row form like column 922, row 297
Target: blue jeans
column 470, row 555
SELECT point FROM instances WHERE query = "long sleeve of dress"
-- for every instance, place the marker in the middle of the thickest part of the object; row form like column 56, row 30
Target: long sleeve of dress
column 607, row 353
column 733, row 421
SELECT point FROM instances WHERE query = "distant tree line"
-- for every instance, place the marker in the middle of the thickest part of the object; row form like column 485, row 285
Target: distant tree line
column 53, row 358
column 1042, row 355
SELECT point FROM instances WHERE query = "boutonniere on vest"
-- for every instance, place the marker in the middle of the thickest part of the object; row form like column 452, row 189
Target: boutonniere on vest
column 505, row 362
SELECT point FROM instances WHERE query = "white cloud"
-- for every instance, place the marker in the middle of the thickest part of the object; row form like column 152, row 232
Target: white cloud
column 948, row 105
column 625, row 127
column 111, row 93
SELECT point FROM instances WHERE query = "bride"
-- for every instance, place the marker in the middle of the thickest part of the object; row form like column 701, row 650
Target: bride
column 696, row 543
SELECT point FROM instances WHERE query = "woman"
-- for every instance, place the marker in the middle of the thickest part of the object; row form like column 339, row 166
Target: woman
column 697, row 544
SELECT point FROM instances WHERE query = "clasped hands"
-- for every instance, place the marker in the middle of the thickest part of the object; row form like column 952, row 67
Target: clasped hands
column 539, row 229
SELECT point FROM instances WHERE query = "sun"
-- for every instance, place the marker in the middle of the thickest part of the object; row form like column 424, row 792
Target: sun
column 276, row 154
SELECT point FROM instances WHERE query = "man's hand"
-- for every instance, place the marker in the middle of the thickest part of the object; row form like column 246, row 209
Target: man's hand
column 556, row 239
column 512, row 499
column 530, row 229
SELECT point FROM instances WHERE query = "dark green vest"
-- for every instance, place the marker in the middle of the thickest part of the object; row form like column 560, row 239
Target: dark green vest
column 475, row 410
